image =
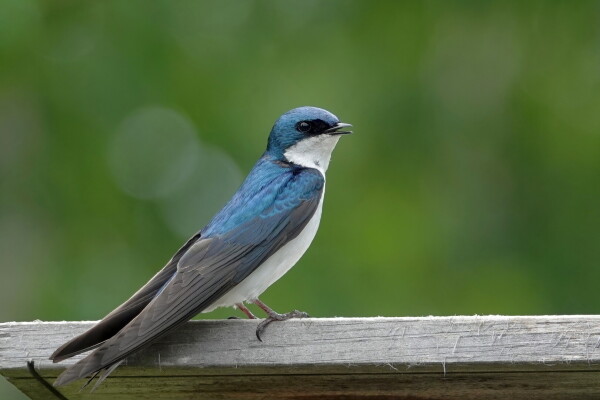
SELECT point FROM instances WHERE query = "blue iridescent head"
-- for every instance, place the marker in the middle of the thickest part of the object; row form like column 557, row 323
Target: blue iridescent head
column 305, row 130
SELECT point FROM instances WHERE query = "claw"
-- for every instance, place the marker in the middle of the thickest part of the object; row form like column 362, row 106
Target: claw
column 278, row 317
column 261, row 327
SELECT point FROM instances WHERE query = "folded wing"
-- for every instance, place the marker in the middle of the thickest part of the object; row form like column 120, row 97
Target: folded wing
column 211, row 266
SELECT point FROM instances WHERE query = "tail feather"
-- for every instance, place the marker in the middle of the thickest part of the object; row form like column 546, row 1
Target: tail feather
column 90, row 365
column 107, row 371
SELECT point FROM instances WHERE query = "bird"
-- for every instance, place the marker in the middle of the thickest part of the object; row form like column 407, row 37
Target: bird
column 262, row 231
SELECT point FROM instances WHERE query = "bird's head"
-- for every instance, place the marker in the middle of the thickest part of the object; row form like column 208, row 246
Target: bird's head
column 306, row 136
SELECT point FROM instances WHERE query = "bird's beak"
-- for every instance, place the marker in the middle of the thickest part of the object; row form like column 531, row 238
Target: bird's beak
column 335, row 130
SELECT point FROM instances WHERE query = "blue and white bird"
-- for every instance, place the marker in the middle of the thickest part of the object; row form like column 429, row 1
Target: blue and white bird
column 256, row 238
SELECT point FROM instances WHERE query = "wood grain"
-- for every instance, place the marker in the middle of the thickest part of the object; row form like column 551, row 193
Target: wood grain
column 478, row 357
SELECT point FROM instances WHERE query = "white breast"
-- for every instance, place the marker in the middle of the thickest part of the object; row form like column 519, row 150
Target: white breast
column 275, row 266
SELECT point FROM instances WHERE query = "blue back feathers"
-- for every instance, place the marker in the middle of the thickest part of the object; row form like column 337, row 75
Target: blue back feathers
column 269, row 188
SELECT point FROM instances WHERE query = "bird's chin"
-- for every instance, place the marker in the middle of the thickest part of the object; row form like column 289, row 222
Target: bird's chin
column 338, row 133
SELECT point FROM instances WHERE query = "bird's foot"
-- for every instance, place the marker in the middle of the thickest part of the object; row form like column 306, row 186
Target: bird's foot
column 273, row 316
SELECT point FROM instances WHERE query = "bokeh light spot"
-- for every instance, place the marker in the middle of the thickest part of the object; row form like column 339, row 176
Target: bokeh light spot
column 214, row 181
column 18, row 19
column 153, row 153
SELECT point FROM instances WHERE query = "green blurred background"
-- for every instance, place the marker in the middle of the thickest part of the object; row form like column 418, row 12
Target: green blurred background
column 471, row 184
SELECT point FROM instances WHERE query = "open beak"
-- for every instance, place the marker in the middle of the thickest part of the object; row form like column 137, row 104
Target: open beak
column 336, row 129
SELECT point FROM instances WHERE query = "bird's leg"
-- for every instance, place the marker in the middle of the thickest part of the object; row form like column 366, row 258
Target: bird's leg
column 245, row 310
column 274, row 316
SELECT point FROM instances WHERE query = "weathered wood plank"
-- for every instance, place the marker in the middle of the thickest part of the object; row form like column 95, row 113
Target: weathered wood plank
column 494, row 357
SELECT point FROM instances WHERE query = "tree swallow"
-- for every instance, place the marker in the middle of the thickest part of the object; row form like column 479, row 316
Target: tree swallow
column 256, row 238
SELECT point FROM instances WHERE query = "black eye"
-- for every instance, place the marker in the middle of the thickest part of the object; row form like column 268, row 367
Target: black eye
column 303, row 126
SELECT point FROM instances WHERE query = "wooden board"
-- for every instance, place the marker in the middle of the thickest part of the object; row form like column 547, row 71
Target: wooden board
column 479, row 357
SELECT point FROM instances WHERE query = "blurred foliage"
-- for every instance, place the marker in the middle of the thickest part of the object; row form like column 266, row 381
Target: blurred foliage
column 471, row 184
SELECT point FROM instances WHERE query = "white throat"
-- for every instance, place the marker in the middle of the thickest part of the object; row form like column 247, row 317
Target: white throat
column 313, row 152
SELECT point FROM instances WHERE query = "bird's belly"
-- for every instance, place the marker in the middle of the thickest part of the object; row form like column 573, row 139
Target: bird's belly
column 272, row 269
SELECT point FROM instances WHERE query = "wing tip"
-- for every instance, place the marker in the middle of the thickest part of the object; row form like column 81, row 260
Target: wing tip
column 59, row 354
column 66, row 351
